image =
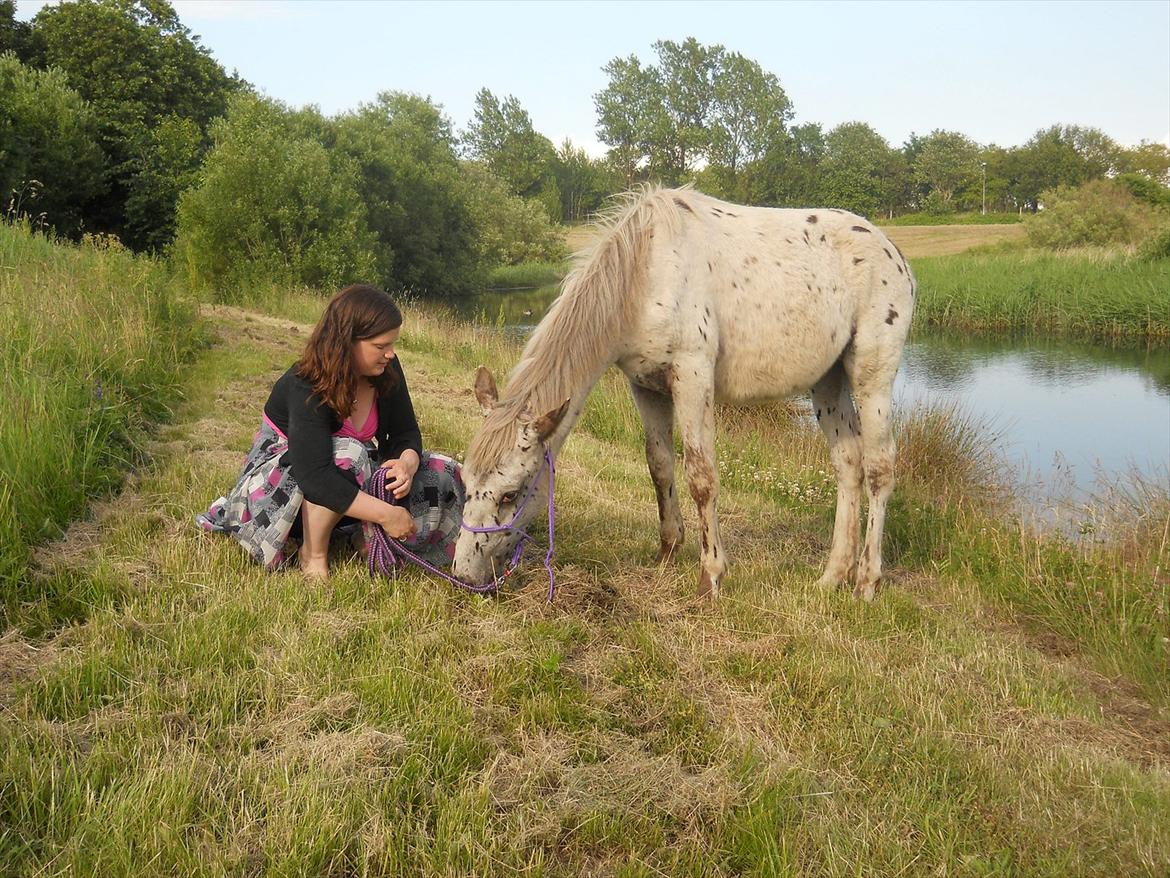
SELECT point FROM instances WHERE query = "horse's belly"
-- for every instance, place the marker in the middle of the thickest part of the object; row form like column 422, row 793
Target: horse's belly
column 773, row 358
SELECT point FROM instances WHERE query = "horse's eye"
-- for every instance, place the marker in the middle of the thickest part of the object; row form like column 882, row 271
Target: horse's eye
column 510, row 497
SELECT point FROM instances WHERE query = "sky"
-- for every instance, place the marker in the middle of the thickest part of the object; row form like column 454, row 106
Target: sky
column 995, row 71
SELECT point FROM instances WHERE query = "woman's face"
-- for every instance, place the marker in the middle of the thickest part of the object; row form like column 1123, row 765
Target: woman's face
column 372, row 356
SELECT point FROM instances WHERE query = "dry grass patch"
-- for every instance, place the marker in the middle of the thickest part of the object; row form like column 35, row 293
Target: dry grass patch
column 918, row 241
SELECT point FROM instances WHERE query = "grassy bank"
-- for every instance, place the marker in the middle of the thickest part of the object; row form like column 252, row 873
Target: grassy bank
column 1103, row 295
column 93, row 344
column 526, row 275
column 990, row 714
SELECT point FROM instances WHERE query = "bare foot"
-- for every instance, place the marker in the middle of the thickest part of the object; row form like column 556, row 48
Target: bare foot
column 314, row 569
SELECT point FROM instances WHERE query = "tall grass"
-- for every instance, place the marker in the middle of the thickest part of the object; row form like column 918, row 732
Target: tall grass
column 1091, row 294
column 526, row 275
column 93, row 344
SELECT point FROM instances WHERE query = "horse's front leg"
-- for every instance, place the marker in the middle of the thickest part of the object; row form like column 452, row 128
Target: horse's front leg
column 694, row 403
column 657, row 411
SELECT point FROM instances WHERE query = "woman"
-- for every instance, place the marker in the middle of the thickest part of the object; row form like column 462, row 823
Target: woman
column 342, row 409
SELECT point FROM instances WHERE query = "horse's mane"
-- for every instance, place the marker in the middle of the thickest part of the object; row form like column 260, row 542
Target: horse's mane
column 598, row 301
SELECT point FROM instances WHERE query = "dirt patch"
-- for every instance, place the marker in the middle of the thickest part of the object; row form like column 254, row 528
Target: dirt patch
column 551, row 781
column 20, row 658
column 1130, row 723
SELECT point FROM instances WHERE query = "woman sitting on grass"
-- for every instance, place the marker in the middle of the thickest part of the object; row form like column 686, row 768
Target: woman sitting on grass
column 342, row 409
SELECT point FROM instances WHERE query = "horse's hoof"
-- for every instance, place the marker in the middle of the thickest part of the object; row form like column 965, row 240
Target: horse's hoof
column 666, row 552
column 708, row 587
column 865, row 592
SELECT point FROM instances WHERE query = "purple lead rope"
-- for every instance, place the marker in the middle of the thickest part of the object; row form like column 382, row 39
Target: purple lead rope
column 385, row 551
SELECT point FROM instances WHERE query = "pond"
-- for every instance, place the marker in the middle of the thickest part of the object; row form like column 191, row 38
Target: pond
column 1073, row 417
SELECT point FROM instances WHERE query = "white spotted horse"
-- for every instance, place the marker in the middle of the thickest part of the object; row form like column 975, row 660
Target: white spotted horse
column 699, row 302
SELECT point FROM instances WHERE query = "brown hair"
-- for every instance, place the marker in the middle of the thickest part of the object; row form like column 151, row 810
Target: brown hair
column 355, row 313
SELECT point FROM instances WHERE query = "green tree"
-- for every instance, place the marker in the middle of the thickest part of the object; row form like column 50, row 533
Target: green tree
column 274, row 205
column 50, row 162
column 1061, row 155
column 163, row 162
column 1001, row 192
column 412, row 186
column 582, row 182
column 137, row 66
column 789, row 172
column 682, row 133
column 946, row 163
column 14, row 35
column 859, row 171
column 627, row 112
column 1151, row 160
column 698, row 105
column 749, row 112
column 501, row 136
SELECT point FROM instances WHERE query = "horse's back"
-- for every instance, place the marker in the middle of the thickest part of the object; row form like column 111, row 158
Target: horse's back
column 771, row 296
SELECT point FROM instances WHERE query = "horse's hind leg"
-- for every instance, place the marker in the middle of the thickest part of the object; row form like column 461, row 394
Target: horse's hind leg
column 657, row 411
column 833, row 404
column 873, row 385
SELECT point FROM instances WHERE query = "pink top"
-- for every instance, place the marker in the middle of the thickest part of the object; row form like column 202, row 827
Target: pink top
column 369, row 428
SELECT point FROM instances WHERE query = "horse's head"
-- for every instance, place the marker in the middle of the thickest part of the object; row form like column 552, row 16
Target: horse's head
column 504, row 475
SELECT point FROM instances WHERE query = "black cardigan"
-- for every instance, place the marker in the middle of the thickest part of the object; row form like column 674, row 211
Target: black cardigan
column 309, row 424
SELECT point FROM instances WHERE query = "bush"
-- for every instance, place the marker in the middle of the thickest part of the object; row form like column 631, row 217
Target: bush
column 1146, row 190
column 274, row 205
column 511, row 229
column 1100, row 212
column 934, row 204
column 1157, row 246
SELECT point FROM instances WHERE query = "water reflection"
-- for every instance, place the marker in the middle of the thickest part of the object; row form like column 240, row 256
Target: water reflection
column 1068, row 411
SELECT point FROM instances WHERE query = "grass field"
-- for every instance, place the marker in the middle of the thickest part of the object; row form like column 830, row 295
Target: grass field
column 917, row 242
column 1000, row 709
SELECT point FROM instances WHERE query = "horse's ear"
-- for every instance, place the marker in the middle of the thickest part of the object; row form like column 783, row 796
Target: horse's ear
column 547, row 424
column 485, row 389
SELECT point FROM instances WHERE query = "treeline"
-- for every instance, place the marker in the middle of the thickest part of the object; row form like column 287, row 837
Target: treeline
column 115, row 120
column 704, row 115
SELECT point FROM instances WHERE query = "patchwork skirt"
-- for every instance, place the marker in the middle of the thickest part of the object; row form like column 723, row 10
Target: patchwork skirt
column 261, row 510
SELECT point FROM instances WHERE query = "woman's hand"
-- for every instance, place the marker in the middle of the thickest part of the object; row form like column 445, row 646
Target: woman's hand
column 400, row 475
column 398, row 523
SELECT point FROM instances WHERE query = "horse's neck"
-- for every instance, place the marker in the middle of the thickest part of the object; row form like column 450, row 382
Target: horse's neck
column 577, row 400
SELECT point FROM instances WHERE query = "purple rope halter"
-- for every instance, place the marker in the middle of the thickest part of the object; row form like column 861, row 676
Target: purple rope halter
column 386, row 552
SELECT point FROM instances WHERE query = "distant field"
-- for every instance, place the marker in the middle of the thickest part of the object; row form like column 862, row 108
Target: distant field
column 579, row 237
column 918, row 241
column 914, row 241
